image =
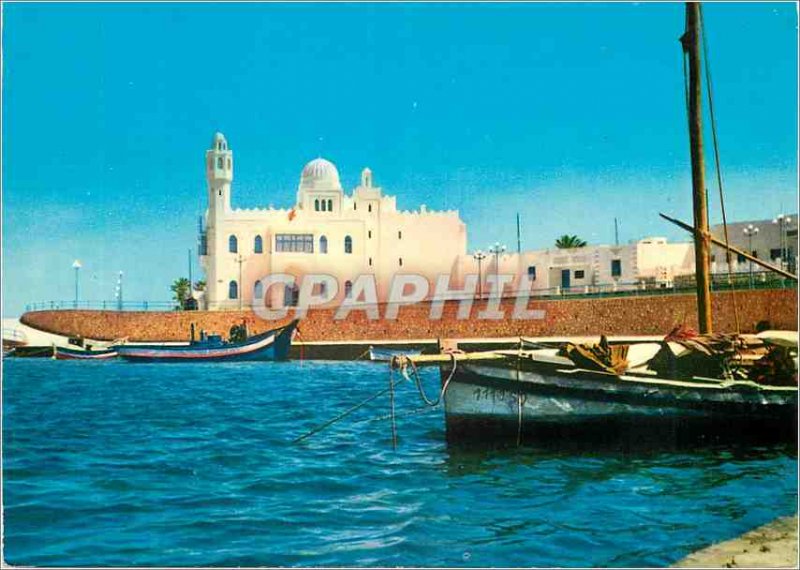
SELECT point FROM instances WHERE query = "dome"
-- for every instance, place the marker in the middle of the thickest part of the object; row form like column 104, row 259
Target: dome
column 320, row 174
column 219, row 142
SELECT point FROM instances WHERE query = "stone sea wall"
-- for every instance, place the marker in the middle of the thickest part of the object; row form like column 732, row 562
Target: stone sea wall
column 654, row 315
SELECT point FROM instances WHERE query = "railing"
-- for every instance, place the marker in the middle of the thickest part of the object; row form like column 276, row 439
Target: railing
column 682, row 286
column 103, row 305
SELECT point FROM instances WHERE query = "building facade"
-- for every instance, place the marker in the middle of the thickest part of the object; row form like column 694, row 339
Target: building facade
column 774, row 241
column 327, row 231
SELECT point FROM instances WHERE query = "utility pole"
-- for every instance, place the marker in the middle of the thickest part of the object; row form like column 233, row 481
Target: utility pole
column 519, row 240
column 616, row 232
column 691, row 47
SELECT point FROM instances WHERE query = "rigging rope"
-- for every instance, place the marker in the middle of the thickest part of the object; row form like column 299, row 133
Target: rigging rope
column 718, row 166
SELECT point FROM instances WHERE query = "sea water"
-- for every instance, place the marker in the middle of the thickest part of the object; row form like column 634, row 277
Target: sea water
column 110, row 463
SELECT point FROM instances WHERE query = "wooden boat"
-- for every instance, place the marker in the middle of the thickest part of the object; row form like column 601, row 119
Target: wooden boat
column 385, row 354
column 271, row 345
column 61, row 353
column 544, row 392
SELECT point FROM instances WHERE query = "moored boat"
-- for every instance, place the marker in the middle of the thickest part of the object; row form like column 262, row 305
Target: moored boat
column 385, row 354
column 270, row 345
column 61, row 353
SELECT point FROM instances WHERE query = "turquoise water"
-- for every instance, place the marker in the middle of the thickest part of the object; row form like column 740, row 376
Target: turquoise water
column 126, row 464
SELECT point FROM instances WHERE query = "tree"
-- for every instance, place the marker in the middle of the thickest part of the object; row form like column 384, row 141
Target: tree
column 569, row 242
column 200, row 285
column 180, row 290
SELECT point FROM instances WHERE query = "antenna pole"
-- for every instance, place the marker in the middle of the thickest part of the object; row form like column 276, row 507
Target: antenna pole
column 519, row 240
column 616, row 232
column 691, row 47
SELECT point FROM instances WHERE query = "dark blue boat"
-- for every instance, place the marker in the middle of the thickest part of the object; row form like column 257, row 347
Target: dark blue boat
column 271, row 345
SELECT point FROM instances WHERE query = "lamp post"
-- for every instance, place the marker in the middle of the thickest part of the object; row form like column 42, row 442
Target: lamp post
column 750, row 231
column 497, row 250
column 76, row 265
column 479, row 256
column 118, row 291
column 240, row 259
column 783, row 221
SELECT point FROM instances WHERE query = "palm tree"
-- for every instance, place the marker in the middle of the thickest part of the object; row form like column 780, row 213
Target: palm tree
column 181, row 290
column 569, row 242
column 200, row 285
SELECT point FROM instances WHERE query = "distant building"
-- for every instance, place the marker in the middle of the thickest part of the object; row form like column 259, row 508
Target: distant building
column 773, row 240
column 648, row 263
column 326, row 231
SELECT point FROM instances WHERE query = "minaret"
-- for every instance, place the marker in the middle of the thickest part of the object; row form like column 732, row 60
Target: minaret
column 219, row 174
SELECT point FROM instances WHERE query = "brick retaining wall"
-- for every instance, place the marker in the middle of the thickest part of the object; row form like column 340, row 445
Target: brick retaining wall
column 621, row 315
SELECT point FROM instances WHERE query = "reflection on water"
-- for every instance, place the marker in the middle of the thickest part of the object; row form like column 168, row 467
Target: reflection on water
column 114, row 464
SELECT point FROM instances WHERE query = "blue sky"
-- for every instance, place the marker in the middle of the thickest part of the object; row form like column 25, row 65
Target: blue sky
column 571, row 114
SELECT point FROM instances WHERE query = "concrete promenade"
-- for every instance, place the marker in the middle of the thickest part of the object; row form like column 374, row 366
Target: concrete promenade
column 773, row 545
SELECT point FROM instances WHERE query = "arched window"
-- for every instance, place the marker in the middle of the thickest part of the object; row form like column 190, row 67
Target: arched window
column 348, row 244
column 316, row 205
column 399, row 234
column 323, row 244
column 233, row 290
column 369, row 234
column 258, row 292
column 401, row 262
column 330, row 205
column 219, row 145
column 348, row 289
column 291, row 295
column 369, row 208
column 323, row 205
column 258, row 245
column 233, row 244
column 219, row 162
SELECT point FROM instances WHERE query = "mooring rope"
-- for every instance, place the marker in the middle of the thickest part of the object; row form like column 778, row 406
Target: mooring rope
column 418, row 382
column 347, row 412
column 391, row 406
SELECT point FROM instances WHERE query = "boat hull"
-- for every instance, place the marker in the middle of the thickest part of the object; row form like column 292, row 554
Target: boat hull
column 60, row 353
column 269, row 346
column 483, row 399
column 382, row 354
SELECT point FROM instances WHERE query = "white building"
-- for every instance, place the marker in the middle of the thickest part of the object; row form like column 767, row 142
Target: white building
column 650, row 262
column 328, row 231
column 773, row 240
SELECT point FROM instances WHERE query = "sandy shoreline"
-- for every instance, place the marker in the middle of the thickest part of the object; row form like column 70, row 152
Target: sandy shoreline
column 773, row 545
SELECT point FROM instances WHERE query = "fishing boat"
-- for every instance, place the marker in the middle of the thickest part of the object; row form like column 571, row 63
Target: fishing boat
column 270, row 345
column 730, row 384
column 385, row 354
column 61, row 353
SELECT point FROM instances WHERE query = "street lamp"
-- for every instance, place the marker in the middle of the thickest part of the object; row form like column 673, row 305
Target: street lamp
column 750, row 231
column 497, row 250
column 118, row 291
column 76, row 265
column 240, row 289
column 479, row 256
column 783, row 221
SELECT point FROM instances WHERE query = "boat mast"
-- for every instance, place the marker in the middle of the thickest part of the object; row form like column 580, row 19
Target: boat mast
column 691, row 47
